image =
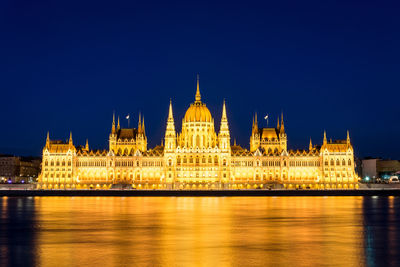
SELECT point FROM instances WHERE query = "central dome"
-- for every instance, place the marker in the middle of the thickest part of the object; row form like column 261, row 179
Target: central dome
column 198, row 112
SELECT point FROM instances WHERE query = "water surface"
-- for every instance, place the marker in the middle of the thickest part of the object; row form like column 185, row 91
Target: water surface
column 200, row 231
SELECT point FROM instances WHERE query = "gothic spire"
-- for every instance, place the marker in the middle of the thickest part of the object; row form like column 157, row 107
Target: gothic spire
column 256, row 123
column 87, row 145
column 170, row 121
column 282, row 129
column 113, row 123
column 143, row 128
column 348, row 137
column 277, row 123
column 198, row 95
column 70, row 138
column 118, row 125
column 224, row 128
column 140, row 123
column 325, row 140
column 48, row 139
column 310, row 146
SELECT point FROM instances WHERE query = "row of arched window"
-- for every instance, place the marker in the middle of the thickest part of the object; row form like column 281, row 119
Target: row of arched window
column 57, row 163
column 196, row 160
column 332, row 162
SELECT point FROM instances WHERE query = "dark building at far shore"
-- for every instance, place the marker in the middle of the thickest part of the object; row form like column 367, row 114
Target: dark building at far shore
column 374, row 168
column 19, row 169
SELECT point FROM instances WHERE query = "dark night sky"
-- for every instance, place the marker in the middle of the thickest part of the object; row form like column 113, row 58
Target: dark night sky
column 65, row 66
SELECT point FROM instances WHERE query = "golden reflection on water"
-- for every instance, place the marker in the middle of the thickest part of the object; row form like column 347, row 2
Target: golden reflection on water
column 199, row 231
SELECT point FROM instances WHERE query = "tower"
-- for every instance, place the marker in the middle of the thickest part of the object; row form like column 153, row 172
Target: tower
column 224, row 136
column 170, row 134
column 141, row 138
column 282, row 135
column 255, row 138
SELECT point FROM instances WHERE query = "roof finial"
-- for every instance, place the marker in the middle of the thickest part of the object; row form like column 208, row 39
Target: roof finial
column 118, row 125
column 325, row 141
column 277, row 123
column 310, row 147
column 143, row 128
column 48, row 139
column 140, row 122
column 282, row 129
column 224, row 111
column 198, row 96
column 87, row 145
column 70, row 138
column 348, row 137
column 113, row 123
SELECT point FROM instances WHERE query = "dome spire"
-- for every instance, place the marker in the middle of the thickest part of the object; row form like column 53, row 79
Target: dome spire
column 198, row 95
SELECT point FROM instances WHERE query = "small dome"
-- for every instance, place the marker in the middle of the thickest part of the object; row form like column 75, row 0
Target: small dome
column 198, row 112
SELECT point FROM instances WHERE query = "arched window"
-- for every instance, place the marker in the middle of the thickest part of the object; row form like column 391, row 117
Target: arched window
column 332, row 162
column 216, row 160
column 343, row 162
column 191, row 159
column 198, row 141
column 209, row 159
column 349, row 163
column 326, row 163
column 46, row 163
column 203, row 160
column 197, row 160
column 184, row 160
column 169, row 162
column 337, row 162
column 178, row 160
column 63, row 163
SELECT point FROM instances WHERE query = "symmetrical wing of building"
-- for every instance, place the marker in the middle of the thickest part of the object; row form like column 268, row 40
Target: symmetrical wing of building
column 198, row 158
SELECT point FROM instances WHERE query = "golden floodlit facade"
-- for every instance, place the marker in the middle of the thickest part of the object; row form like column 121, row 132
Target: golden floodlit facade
column 198, row 158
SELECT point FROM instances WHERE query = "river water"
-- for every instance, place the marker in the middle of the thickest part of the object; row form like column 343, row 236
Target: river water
column 200, row 231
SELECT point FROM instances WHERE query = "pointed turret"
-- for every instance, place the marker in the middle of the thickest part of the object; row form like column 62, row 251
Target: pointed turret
column 170, row 135
column 170, row 120
column 282, row 129
column 143, row 128
column 252, row 126
column 224, row 136
column 87, row 145
column 224, row 120
column 140, row 123
column 310, row 147
column 256, row 123
column 277, row 124
column 325, row 140
column 113, row 124
column 198, row 95
column 70, row 138
column 348, row 138
column 118, row 125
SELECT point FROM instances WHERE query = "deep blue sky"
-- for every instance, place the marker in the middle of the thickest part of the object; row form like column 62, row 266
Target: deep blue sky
column 65, row 66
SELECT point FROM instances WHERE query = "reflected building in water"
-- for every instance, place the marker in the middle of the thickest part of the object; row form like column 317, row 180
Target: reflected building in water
column 198, row 157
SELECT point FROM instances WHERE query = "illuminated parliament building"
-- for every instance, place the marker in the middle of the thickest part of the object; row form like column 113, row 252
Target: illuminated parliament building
column 198, row 157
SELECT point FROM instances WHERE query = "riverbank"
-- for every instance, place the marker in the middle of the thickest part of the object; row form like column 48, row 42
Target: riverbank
column 199, row 193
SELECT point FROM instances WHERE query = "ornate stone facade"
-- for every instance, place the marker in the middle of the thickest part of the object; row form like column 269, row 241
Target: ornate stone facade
column 198, row 158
